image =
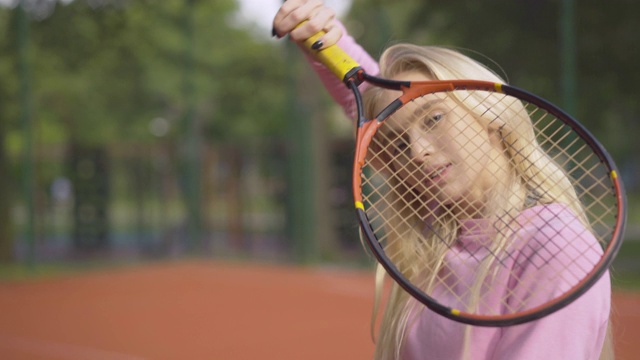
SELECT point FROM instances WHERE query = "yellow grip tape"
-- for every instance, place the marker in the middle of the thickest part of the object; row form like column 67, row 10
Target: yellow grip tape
column 333, row 57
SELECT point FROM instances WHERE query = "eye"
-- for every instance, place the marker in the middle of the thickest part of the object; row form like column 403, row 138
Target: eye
column 433, row 118
column 399, row 146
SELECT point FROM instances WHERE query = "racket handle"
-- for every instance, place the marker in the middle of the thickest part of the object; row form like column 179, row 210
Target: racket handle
column 335, row 59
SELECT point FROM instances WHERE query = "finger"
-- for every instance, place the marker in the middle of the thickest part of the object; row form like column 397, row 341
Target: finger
column 293, row 12
column 303, row 13
column 322, row 20
column 333, row 34
column 286, row 8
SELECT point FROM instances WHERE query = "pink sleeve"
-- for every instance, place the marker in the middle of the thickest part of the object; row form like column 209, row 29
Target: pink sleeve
column 578, row 330
column 338, row 90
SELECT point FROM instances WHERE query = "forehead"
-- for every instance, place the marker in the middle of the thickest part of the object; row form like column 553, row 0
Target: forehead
column 423, row 107
column 389, row 95
column 417, row 106
column 420, row 107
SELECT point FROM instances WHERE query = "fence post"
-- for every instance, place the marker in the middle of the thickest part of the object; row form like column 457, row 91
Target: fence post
column 192, row 139
column 27, row 131
column 300, row 219
column 568, row 55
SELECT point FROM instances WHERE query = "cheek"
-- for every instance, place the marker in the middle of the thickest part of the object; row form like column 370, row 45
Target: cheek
column 475, row 155
column 470, row 145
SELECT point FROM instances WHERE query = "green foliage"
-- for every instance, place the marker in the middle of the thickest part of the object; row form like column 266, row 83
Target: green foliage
column 103, row 74
column 100, row 75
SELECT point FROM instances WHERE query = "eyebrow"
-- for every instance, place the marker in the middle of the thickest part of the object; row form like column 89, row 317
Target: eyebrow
column 415, row 115
column 424, row 107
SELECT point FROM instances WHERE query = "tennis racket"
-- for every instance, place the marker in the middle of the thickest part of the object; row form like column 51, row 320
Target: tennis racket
column 493, row 236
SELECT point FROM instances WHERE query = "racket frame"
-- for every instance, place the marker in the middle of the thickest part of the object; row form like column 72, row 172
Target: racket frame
column 365, row 133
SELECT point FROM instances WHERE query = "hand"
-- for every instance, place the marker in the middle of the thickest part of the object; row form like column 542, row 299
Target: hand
column 318, row 17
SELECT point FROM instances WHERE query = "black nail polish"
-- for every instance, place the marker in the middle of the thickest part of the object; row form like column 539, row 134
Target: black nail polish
column 317, row 45
column 273, row 32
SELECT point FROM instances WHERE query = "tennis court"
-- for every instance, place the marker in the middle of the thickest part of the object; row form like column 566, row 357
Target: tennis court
column 201, row 309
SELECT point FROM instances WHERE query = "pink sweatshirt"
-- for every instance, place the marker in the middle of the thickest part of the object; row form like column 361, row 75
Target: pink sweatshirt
column 576, row 332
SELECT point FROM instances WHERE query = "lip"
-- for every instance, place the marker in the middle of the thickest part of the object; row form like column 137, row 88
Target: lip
column 439, row 173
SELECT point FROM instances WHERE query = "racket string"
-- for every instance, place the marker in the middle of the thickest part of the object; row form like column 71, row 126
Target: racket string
column 397, row 214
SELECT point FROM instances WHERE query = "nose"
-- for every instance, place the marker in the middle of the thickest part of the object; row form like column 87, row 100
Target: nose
column 422, row 147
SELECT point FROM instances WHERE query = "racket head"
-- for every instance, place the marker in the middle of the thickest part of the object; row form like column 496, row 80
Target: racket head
column 486, row 203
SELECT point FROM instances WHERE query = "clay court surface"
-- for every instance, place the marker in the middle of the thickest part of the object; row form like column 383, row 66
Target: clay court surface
column 209, row 310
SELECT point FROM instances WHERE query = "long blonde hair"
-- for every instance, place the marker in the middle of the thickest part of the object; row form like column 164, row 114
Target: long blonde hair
column 529, row 165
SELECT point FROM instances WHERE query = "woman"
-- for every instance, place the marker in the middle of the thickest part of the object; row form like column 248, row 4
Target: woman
column 450, row 158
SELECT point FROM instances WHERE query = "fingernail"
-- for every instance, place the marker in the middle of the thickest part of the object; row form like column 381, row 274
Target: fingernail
column 273, row 32
column 317, row 45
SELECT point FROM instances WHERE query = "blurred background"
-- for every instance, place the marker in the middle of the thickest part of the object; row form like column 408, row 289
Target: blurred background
column 135, row 131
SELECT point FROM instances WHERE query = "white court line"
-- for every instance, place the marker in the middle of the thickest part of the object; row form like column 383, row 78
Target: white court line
column 60, row 350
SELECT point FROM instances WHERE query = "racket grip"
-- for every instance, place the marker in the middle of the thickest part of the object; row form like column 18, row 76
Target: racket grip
column 335, row 59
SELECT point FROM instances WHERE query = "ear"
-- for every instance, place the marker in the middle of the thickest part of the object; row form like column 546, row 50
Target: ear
column 497, row 137
column 496, row 124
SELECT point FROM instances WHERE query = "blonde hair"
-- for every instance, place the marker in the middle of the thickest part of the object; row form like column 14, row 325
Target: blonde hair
column 529, row 165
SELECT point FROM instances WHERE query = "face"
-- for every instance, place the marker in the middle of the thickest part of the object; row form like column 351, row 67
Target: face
column 441, row 151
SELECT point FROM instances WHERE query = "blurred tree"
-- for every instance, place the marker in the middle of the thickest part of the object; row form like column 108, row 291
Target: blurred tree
column 102, row 70
column 6, row 187
column 9, row 118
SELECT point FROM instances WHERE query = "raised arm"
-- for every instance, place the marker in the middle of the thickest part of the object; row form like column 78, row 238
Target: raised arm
column 321, row 18
column 340, row 93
